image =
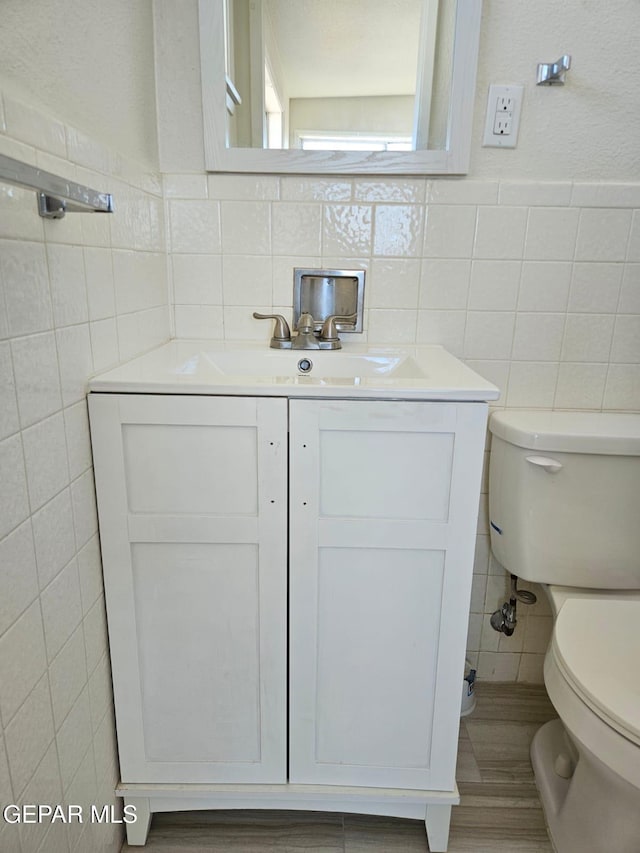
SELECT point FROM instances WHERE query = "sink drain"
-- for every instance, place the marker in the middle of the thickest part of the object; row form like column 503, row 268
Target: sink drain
column 305, row 365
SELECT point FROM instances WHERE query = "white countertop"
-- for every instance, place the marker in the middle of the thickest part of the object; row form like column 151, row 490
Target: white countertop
column 356, row 371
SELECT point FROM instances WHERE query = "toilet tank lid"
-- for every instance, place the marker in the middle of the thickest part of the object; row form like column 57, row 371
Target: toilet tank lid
column 569, row 432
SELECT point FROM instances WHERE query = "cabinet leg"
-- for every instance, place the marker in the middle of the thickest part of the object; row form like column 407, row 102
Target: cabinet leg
column 437, row 820
column 138, row 830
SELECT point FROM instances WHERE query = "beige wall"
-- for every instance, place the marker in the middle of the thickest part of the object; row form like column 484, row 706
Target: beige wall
column 587, row 130
column 89, row 63
column 378, row 115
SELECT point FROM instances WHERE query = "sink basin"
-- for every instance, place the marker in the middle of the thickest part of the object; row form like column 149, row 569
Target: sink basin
column 316, row 364
column 425, row 372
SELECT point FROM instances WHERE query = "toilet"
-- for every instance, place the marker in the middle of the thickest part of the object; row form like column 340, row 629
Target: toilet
column 564, row 510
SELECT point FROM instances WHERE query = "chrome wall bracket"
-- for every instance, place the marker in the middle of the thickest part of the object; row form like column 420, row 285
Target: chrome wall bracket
column 50, row 207
column 553, row 73
column 56, row 195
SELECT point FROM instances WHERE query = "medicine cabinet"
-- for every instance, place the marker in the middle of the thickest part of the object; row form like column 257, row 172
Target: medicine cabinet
column 441, row 103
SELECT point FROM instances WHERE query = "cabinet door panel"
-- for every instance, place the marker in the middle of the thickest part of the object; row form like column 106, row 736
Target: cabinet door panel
column 161, row 480
column 352, row 486
column 198, row 623
column 192, row 503
column 383, row 512
column 378, row 626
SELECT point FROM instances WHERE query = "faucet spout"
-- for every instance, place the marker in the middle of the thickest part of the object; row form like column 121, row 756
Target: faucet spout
column 305, row 339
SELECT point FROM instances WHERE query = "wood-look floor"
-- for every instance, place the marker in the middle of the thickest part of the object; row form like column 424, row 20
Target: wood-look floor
column 499, row 810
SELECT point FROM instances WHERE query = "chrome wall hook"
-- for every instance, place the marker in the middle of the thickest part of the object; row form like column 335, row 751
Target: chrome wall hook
column 553, row 73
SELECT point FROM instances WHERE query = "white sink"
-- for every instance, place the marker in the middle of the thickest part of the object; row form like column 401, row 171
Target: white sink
column 318, row 364
column 356, row 371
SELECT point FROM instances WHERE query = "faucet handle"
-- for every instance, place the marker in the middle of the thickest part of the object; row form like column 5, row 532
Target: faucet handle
column 329, row 331
column 281, row 331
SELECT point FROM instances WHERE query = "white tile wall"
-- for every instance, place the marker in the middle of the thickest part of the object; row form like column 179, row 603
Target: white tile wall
column 536, row 285
column 77, row 295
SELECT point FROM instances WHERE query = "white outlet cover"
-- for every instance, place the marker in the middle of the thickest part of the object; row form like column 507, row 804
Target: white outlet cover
column 513, row 93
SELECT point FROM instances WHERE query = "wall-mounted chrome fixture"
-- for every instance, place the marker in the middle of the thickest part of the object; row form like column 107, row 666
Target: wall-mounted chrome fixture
column 553, row 73
column 329, row 293
column 56, row 196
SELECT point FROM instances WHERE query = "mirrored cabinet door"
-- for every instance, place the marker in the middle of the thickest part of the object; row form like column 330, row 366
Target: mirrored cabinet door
column 359, row 87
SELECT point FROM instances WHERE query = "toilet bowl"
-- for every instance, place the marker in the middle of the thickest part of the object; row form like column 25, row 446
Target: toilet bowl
column 587, row 763
column 564, row 493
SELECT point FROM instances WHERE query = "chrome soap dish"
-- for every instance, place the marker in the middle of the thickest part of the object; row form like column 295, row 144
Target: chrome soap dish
column 329, row 293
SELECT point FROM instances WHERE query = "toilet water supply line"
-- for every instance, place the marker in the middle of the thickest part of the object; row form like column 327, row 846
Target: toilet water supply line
column 504, row 620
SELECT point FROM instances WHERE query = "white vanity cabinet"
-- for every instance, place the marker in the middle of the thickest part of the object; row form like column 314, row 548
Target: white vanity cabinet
column 287, row 586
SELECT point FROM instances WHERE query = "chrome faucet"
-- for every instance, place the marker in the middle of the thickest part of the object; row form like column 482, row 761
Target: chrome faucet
column 306, row 336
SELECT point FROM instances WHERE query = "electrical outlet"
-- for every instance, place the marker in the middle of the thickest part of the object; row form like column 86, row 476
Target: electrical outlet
column 505, row 104
column 503, row 116
column 503, row 124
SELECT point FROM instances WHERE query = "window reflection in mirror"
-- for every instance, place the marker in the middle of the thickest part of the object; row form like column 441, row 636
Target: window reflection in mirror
column 338, row 75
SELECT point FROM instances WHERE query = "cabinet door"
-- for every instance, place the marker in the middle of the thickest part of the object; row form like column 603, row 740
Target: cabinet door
column 192, row 505
column 383, row 514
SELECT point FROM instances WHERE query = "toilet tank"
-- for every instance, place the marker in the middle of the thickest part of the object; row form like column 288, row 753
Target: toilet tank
column 564, row 497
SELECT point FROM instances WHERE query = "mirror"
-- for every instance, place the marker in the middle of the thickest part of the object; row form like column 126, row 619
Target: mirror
column 327, row 75
column 267, row 110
